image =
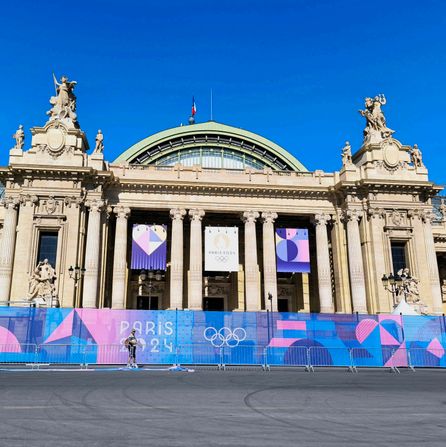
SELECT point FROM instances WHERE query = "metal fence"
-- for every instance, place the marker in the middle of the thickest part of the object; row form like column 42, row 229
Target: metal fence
column 206, row 354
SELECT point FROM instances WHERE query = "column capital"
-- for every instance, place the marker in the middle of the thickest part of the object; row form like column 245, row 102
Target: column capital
column 10, row 202
column 250, row 216
column 428, row 216
column 415, row 213
column 177, row 213
column 376, row 213
column 95, row 205
column 321, row 219
column 269, row 216
column 71, row 201
column 28, row 199
column 350, row 215
column 121, row 211
column 196, row 214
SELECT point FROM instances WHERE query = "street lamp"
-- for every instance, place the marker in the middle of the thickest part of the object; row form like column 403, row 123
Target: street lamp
column 270, row 299
column 76, row 273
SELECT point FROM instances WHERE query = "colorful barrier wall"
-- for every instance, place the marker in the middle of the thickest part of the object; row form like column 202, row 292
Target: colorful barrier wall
column 228, row 337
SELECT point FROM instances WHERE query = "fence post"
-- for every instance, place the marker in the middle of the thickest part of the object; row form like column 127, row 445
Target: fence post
column 309, row 367
column 221, row 356
column 409, row 360
column 352, row 367
column 266, row 366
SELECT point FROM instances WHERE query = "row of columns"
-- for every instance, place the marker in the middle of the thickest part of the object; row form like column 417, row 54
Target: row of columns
column 92, row 257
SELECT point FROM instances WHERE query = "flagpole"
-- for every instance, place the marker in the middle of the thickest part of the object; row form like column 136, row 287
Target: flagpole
column 212, row 115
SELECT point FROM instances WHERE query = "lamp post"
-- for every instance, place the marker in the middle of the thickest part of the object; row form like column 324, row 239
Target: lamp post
column 270, row 299
column 76, row 273
column 397, row 285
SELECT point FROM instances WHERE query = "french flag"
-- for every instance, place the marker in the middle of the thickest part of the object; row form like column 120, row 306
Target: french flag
column 194, row 107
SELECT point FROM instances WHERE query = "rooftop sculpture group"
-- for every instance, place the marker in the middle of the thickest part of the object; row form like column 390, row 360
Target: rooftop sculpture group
column 64, row 103
column 376, row 128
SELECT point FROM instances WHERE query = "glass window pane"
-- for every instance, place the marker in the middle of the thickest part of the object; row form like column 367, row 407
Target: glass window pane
column 48, row 247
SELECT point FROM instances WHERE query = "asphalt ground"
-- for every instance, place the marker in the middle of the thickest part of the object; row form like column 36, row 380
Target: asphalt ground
column 222, row 408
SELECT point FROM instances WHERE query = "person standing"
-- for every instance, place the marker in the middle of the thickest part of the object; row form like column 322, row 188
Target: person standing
column 131, row 342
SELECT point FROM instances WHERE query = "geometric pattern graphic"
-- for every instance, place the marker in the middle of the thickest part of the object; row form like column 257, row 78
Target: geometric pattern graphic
column 370, row 340
column 292, row 250
column 149, row 247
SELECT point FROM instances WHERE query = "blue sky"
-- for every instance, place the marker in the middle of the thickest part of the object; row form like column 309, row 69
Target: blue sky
column 295, row 72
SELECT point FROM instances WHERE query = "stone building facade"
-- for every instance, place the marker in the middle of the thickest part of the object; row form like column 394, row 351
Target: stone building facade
column 73, row 207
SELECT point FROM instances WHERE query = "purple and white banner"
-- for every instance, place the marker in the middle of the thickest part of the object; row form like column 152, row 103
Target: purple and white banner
column 149, row 247
column 292, row 250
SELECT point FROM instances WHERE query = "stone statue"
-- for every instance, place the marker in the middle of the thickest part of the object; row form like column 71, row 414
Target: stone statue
column 443, row 290
column 347, row 154
column 42, row 286
column 416, row 156
column 99, row 147
column 410, row 286
column 64, row 103
column 443, row 209
column 376, row 128
column 19, row 137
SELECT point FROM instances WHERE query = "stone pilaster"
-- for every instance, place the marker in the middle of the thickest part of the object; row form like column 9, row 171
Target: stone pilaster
column 20, row 277
column 195, row 297
column 355, row 262
column 432, row 264
column 120, row 257
column 252, row 286
column 92, row 249
column 323, row 263
column 7, row 246
column 269, row 259
column 176, row 259
column 377, row 267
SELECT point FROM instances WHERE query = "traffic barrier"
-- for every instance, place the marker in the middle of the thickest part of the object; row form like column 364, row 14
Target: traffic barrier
column 323, row 356
column 377, row 358
column 18, row 353
column 422, row 358
column 251, row 355
column 287, row 356
column 238, row 354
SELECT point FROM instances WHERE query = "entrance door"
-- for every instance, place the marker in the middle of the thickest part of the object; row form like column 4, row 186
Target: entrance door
column 214, row 303
column 282, row 305
column 147, row 302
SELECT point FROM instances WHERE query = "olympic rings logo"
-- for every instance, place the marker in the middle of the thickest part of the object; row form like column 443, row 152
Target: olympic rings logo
column 224, row 336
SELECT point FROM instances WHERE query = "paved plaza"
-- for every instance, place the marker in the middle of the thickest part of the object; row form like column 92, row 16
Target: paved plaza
column 222, row 408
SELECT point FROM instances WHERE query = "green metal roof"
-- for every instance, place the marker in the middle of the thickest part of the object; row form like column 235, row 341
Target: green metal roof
column 154, row 147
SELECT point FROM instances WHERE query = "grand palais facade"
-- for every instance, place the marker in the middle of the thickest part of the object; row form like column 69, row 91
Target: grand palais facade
column 70, row 221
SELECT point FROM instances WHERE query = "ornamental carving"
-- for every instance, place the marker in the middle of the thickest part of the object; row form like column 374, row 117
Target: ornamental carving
column 73, row 201
column 396, row 218
column 50, row 205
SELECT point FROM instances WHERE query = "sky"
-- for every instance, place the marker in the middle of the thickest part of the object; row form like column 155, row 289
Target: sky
column 295, row 72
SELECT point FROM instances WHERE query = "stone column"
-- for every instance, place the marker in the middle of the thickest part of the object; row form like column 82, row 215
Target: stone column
column 323, row 263
column 176, row 259
column 355, row 262
column 252, row 288
column 432, row 264
column 7, row 246
column 195, row 298
column 90, row 290
column 120, row 257
column 269, row 259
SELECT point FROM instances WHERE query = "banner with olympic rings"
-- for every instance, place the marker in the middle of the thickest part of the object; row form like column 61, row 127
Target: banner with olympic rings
column 221, row 249
column 189, row 337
